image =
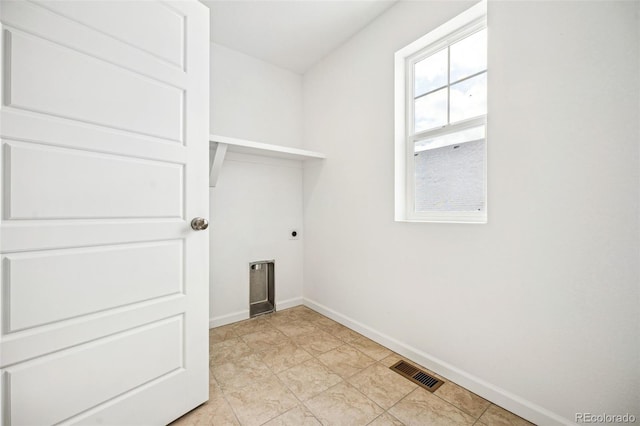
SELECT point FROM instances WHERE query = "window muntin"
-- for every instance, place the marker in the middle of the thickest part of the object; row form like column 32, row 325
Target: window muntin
column 441, row 109
column 451, row 84
column 431, row 73
column 430, row 111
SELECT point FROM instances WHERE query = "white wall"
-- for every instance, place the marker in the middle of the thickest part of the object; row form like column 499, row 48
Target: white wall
column 252, row 99
column 538, row 309
column 257, row 200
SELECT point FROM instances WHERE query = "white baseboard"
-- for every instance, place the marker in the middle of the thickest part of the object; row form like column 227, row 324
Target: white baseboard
column 244, row 314
column 289, row 303
column 495, row 394
column 228, row 318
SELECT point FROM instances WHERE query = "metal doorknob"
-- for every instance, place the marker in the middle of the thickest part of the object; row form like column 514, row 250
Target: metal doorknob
column 199, row 223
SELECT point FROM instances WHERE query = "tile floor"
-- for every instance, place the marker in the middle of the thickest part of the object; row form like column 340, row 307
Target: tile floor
column 297, row 367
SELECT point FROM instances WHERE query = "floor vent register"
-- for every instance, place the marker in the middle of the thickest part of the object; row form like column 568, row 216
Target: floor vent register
column 416, row 375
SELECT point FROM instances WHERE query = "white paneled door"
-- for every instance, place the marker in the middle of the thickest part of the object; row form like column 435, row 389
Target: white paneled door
column 104, row 127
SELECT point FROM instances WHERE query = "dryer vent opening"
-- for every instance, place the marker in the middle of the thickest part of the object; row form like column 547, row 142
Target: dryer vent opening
column 261, row 287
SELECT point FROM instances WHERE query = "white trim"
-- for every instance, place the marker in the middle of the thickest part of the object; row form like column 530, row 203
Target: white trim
column 229, row 318
column 451, row 128
column 495, row 394
column 244, row 314
column 400, row 169
column 446, row 144
column 289, row 303
column 447, row 217
column 449, row 32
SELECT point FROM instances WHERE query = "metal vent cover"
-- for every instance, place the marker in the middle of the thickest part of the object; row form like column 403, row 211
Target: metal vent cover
column 416, row 375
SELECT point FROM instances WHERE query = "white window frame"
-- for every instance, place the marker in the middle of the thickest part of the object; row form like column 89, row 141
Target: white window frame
column 463, row 25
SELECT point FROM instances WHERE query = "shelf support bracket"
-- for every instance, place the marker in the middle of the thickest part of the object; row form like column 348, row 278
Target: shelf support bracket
column 217, row 151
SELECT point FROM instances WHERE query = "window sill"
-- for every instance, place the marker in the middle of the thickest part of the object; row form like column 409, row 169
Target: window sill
column 446, row 217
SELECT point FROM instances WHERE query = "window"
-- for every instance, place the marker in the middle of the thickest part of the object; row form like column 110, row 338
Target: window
column 441, row 121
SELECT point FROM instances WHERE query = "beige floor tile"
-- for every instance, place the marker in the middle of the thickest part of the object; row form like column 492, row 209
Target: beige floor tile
column 382, row 385
column 278, row 313
column 263, row 340
column 304, row 313
column 386, row 419
column 341, row 332
column 216, row 411
column 324, row 322
column 214, row 391
column 465, row 400
column 371, row 348
column 296, row 328
column 228, row 350
column 309, row 379
column 497, row 416
column 345, row 360
column 261, row 401
column 318, row 342
column 284, row 356
column 220, row 334
column 388, row 361
column 298, row 416
column 343, row 405
column 212, row 378
column 196, row 417
column 280, row 318
column 298, row 308
column 221, row 413
column 240, row 372
column 253, row 325
column 421, row 408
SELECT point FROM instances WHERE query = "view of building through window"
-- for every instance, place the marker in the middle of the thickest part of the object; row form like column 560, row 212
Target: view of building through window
column 449, row 112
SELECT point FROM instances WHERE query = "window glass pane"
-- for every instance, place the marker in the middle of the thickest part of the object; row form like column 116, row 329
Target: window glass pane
column 469, row 56
column 450, row 178
column 430, row 73
column 431, row 111
column 466, row 135
column 469, row 98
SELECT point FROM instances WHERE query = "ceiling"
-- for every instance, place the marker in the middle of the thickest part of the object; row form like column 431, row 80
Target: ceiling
column 292, row 34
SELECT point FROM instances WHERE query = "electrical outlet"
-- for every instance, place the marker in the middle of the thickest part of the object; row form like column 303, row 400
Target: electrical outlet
column 294, row 234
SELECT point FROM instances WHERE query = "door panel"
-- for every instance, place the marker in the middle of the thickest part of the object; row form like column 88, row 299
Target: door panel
column 52, row 338
column 48, row 286
column 104, row 164
column 49, row 78
column 162, row 35
column 38, row 19
column 42, row 182
column 89, row 374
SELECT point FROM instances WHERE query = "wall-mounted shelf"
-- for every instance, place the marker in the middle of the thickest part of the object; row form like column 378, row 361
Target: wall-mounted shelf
column 219, row 145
